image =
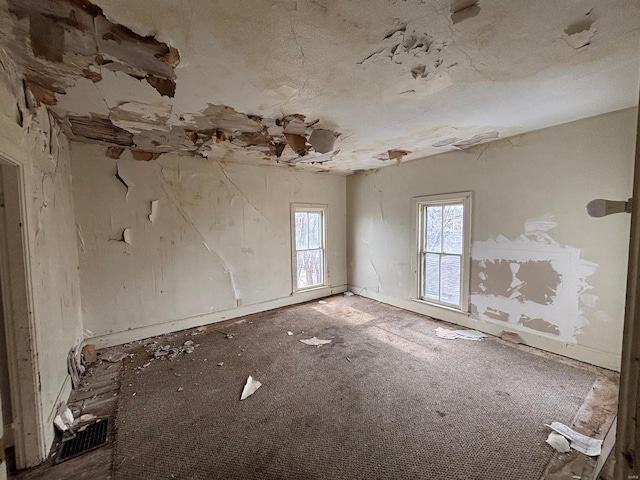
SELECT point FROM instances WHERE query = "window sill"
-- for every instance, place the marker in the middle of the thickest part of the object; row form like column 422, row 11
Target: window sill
column 310, row 289
column 443, row 307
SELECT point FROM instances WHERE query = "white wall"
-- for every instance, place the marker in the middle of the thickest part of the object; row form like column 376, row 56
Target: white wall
column 547, row 175
column 219, row 245
column 52, row 323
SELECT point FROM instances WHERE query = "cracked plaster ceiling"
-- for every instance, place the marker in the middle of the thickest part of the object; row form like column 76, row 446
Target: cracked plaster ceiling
column 325, row 84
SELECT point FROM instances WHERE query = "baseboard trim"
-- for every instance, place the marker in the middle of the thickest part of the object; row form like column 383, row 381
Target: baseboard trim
column 120, row 338
column 581, row 353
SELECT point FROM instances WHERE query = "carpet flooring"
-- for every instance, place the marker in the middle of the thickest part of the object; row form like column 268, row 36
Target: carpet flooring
column 386, row 399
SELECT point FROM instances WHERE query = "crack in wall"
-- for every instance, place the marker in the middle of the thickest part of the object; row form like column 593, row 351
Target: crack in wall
column 185, row 216
column 243, row 194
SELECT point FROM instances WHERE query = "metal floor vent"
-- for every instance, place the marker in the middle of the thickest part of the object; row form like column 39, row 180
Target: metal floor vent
column 94, row 436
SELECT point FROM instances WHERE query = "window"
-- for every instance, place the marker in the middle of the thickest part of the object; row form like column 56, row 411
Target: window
column 443, row 239
column 309, row 265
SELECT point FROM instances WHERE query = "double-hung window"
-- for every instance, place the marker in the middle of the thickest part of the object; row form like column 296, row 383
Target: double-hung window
column 443, row 241
column 309, row 259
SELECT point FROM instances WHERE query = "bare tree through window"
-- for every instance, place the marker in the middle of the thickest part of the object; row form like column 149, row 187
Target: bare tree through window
column 442, row 250
column 309, row 246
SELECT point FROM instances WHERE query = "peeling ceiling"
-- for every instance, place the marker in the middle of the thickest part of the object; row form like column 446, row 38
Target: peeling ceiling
column 326, row 85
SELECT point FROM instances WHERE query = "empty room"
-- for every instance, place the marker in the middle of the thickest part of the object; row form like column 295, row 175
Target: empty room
column 319, row 239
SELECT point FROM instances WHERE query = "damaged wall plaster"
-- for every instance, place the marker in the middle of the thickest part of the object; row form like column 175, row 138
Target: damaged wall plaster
column 50, row 235
column 204, row 236
column 545, row 284
column 538, row 262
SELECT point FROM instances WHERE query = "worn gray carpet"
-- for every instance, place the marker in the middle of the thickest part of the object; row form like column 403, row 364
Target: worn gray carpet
column 387, row 399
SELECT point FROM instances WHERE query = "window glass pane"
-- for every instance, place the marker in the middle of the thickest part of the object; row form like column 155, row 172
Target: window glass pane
column 302, row 231
column 450, row 281
column 433, row 234
column 309, row 268
column 452, row 229
column 315, row 229
column 430, row 275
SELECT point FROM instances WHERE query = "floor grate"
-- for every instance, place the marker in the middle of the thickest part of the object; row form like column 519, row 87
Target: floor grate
column 92, row 437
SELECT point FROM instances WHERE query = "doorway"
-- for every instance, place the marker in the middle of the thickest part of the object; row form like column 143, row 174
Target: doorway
column 21, row 423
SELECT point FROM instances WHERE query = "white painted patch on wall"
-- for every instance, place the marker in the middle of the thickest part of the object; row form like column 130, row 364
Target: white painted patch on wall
column 538, row 227
column 558, row 315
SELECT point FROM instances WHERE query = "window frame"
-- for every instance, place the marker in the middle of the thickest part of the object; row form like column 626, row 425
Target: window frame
column 308, row 208
column 419, row 206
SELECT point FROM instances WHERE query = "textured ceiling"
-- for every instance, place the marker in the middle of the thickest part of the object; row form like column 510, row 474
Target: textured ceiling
column 326, row 84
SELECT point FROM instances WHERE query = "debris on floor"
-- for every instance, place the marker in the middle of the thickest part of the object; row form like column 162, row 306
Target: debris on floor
column 322, row 302
column 290, row 334
column 315, row 342
column 89, row 354
column 349, row 294
column 64, row 418
column 250, row 387
column 587, row 445
column 464, row 334
column 115, row 357
column 221, row 364
column 81, row 422
column 169, row 352
column 75, row 366
column 199, row 331
column 511, row 337
column 558, row 442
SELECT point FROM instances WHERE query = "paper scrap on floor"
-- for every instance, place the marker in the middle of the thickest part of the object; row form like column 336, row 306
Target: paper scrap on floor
column 587, row 445
column 250, row 387
column 349, row 294
column 558, row 442
column 464, row 334
column 315, row 342
column 64, row 418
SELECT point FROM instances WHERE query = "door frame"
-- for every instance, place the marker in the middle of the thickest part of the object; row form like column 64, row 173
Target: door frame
column 628, row 436
column 22, row 341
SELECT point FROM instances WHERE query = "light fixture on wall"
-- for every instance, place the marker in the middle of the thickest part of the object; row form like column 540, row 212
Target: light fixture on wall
column 601, row 207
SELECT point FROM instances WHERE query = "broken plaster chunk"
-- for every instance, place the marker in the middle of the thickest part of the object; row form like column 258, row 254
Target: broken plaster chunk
column 154, row 211
column 558, row 442
column 250, row 388
column 64, row 418
column 397, row 154
column 127, row 236
column 315, row 342
column 298, row 143
column 290, row 334
column 322, row 140
column 580, row 39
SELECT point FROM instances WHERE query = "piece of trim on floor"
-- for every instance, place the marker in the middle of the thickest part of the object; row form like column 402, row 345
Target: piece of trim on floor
column 120, row 338
column 581, row 353
column 594, row 419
